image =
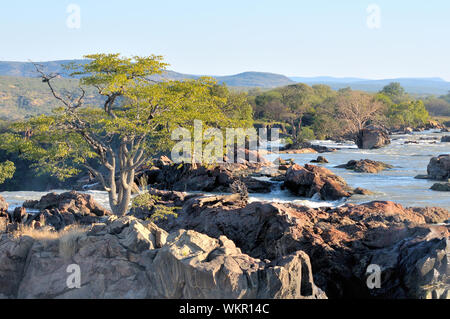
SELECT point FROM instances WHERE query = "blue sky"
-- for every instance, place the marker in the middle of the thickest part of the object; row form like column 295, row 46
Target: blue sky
column 295, row 38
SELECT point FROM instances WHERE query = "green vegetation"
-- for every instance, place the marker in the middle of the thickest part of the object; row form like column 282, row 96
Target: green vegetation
column 320, row 112
column 150, row 202
column 7, row 170
column 134, row 122
column 25, row 97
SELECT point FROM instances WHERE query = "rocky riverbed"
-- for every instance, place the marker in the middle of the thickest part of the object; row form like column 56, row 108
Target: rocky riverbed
column 306, row 231
column 222, row 247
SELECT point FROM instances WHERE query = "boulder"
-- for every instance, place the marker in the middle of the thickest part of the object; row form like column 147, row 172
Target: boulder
column 439, row 168
column 340, row 241
column 320, row 159
column 441, row 187
column 143, row 261
column 306, row 147
column 310, row 180
column 372, row 137
column 365, row 166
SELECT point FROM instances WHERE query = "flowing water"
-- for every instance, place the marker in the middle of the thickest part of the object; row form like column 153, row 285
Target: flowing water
column 397, row 184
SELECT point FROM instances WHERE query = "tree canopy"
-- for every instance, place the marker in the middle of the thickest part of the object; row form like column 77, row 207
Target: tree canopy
column 7, row 170
column 133, row 122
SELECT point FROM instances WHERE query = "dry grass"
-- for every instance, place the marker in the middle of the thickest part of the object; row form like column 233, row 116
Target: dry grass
column 46, row 234
column 66, row 238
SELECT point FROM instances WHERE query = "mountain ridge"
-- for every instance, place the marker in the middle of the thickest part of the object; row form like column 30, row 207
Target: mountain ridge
column 419, row 85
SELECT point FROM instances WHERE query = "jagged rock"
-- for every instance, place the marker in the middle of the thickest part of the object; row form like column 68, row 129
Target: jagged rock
column 19, row 215
column 136, row 264
column 13, row 257
column 416, row 267
column 310, row 180
column 69, row 202
column 441, row 187
column 66, row 209
column 340, row 241
column 372, row 137
column 365, row 166
column 439, row 168
column 216, row 179
column 3, row 205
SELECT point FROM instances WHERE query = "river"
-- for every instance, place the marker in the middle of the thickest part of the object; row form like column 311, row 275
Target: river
column 397, row 184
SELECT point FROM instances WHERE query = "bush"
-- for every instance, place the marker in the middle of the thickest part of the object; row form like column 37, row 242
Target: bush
column 150, row 202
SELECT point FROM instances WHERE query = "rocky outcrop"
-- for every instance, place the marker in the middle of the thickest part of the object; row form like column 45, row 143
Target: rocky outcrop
column 68, row 202
column 306, row 147
column 341, row 242
column 299, row 151
column 365, row 166
column 219, row 178
column 372, row 137
column 310, row 180
column 441, row 187
column 60, row 210
column 129, row 259
column 439, row 168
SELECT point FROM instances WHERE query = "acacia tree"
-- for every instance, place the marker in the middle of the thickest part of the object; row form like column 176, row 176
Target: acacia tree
column 356, row 109
column 114, row 139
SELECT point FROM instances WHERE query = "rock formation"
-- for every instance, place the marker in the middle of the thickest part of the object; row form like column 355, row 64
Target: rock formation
column 130, row 259
column 341, row 242
column 439, row 168
column 365, row 166
column 310, row 180
column 372, row 137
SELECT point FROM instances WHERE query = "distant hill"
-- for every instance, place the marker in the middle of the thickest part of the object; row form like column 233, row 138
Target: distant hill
column 21, row 97
column 23, row 94
column 246, row 79
column 28, row 70
column 435, row 86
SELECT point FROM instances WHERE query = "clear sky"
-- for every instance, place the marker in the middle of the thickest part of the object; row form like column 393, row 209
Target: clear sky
column 295, row 38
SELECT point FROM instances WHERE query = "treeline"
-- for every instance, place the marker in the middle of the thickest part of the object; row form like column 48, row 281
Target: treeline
column 319, row 112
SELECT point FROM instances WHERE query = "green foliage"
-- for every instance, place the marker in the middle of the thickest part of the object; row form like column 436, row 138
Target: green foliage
column 307, row 133
column 22, row 98
column 149, row 202
column 394, row 91
column 7, row 170
column 411, row 113
column 142, row 108
column 438, row 106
